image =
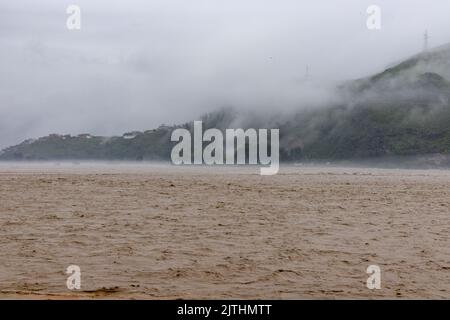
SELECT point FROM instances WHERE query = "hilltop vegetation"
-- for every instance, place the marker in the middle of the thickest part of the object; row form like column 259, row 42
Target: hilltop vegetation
column 402, row 111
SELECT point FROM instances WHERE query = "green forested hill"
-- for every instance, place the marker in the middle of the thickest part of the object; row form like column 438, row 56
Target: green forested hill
column 404, row 110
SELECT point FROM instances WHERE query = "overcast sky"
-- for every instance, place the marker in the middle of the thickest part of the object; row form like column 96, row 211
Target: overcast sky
column 138, row 63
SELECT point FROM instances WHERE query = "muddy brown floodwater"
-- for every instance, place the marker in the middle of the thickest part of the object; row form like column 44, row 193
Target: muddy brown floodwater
column 163, row 232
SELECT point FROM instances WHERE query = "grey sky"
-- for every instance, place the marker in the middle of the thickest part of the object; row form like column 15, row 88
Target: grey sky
column 136, row 64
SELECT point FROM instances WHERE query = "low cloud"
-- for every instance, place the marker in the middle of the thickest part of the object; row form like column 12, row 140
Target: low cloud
column 137, row 64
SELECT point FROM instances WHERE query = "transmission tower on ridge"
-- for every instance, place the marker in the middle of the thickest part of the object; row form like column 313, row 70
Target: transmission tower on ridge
column 425, row 41
column 307, row 76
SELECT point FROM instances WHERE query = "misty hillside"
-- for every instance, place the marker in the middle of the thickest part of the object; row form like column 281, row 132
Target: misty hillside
column 402, row 111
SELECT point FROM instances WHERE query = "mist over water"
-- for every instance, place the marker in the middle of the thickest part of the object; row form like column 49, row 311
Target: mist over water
column 120, row 204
